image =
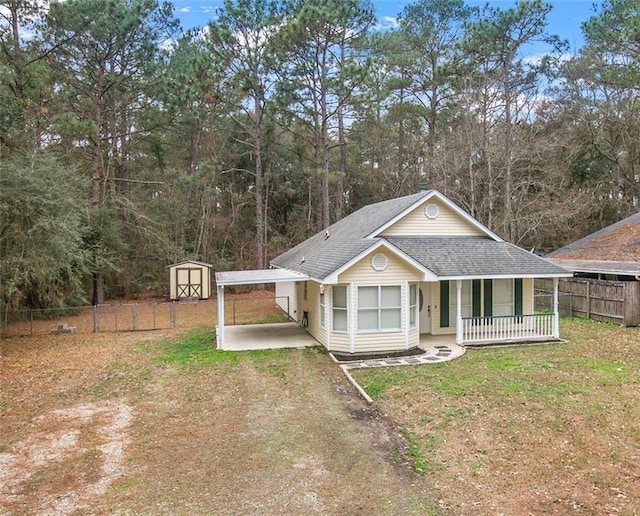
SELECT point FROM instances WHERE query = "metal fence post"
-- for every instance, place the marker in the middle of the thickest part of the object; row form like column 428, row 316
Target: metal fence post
column 134, row 311
column 172, row 314
column 233, row 306
column 95, row 319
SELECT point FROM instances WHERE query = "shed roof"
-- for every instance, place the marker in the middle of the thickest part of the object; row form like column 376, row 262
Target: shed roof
column 192, row 262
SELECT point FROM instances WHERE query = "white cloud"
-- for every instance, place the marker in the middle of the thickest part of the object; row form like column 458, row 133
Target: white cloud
column 185, row 9
column 387, row 23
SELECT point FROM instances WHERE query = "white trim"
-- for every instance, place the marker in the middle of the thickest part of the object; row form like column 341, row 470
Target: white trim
column 257, row 276
column 379, row 257
column 220, row 326
column 434, row 209
column 435, row 194
column 332, row 278
column 407, row 325
column 353, row 310
column 459, row 312
column 556, row 315
column 504, row 276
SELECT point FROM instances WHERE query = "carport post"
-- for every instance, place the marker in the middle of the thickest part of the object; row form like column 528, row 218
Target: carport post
column 220, row 329
column 556, row 310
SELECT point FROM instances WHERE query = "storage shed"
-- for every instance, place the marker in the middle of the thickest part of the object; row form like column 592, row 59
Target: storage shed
column 189, row 279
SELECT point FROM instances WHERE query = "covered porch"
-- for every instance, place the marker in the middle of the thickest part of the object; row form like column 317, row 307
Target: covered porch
column 519, row 327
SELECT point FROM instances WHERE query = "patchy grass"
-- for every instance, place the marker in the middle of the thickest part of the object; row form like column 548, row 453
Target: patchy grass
column 196, row 347
column 535, row 429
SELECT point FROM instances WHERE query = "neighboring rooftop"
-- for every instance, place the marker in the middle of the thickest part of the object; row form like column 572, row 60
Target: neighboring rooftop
column 619, row 242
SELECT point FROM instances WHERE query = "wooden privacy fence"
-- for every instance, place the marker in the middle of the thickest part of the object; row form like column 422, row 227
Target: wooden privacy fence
column 616, row 302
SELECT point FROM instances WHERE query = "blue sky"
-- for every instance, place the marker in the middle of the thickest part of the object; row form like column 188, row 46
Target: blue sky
column 564, row 19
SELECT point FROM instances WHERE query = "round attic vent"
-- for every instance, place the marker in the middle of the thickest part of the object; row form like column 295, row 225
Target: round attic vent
column 432, row 211
column 379, row 262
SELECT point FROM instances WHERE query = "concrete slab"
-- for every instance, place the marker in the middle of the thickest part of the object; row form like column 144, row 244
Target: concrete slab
column 266, row 336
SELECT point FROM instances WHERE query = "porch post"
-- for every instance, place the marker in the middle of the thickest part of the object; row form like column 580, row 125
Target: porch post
column 458, row 311
column 556, row 315
column 220, row 327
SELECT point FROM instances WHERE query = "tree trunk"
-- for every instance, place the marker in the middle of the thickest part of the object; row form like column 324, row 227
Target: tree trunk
column 259, row 187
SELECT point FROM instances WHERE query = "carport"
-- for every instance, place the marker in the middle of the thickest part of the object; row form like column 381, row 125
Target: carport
column 254, row 277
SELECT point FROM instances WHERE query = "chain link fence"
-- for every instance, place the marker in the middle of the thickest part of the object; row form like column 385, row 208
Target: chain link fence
column 88, row 319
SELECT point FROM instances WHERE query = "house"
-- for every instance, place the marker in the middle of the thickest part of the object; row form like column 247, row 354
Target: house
column 391, row 272
column 606, row 267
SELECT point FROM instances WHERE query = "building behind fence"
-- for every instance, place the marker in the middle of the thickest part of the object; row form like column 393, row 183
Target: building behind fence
column 616, row 302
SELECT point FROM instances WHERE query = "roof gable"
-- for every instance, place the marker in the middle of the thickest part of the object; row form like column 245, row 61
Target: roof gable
column 434, row 215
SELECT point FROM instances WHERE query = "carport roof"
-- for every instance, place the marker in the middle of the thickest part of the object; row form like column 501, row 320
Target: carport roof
column 259, row 276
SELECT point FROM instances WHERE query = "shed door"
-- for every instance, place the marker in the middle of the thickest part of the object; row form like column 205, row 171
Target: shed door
column 189, row 282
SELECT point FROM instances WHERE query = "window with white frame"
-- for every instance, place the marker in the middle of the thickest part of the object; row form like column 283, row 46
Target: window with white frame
column 413, row 305
column 323, row 323
column 339, row 308
column 379, row 308
column 466, row 300
column 503, row 296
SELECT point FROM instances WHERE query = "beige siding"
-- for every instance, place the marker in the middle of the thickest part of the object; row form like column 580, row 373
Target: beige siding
column 447, row 223
column 527, row 296
column 340, row 342
column 312, row 306
column 288, row 291
column 396, row 273
column 377, row 342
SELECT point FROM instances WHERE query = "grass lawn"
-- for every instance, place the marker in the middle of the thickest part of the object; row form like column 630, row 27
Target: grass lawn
column 526, row 429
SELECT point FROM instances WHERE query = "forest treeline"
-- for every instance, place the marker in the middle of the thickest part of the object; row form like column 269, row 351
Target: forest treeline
column 127, row 143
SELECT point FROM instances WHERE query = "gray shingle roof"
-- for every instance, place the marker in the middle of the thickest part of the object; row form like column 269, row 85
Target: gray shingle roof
column 320, row 256
column 323, row 256
column 473, row 257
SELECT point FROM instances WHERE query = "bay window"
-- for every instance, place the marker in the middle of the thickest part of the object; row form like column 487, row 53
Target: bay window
column 340, row 308
column 379, row 308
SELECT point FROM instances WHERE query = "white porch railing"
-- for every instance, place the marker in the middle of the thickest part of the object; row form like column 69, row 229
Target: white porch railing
column 508, row 328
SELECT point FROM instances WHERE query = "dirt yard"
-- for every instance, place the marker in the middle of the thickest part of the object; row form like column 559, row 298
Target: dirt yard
column 95, row 423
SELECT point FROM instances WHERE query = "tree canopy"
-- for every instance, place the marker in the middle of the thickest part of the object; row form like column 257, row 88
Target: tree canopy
column 127, row 143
